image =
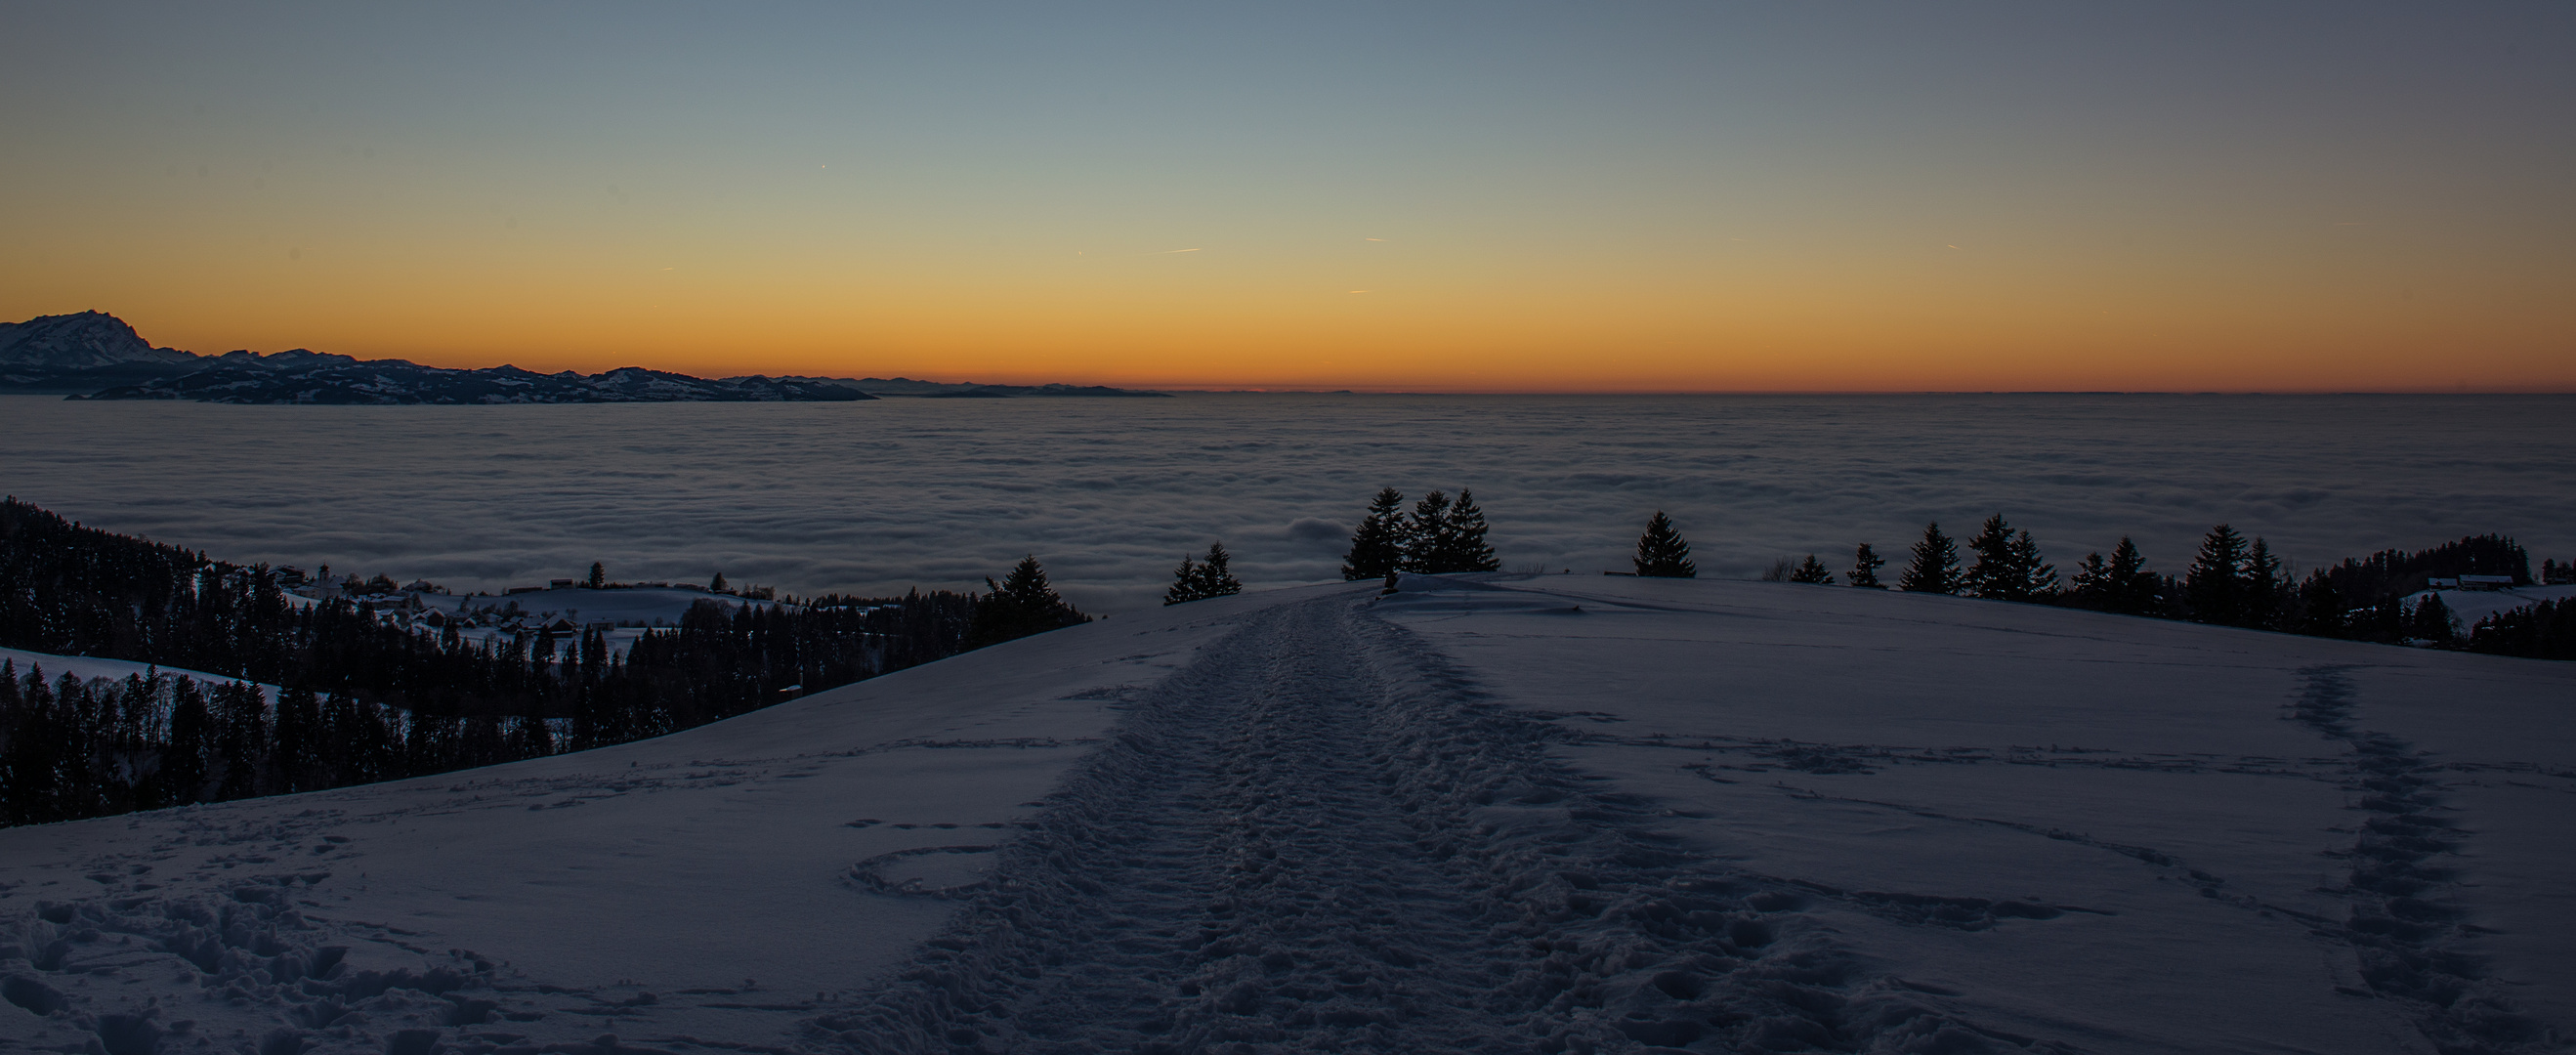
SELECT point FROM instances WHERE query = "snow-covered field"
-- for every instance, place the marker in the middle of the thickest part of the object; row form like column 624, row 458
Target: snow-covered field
column 1554, row 814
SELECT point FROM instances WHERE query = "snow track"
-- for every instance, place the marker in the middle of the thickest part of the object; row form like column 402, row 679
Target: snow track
column 2404, row 927
column 1320, row 837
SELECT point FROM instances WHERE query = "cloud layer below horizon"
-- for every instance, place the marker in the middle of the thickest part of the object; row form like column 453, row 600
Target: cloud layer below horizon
column 876, row 498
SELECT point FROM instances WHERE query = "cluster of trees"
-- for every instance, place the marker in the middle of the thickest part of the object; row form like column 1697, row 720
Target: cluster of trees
column 2233, row 581
column 1023, row 603
column 1441, row 537
column 1198, row 580
column 359, row 699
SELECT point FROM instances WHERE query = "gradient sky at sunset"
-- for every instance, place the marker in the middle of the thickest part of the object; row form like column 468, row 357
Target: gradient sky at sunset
column 1464, row 197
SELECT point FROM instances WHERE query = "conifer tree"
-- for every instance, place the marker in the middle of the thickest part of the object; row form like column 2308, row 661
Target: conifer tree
column 2039, row 578
column 241, row 711
column 1199, row 580
column 533, row 739
column 1378, row 544
column 1992, row 574
column 2431, row 621
column 293, row 740
column 2092, row 582
column 2266, row 585
column 1935, row 568
column 1216, row 577
column 598, row 576
column 2132, row 588
column 717, row 585
column 2321, row 607
column 1662, row 553
column 1467, row 550
column 31, row 770
column 1813, row 571
column 1023, row 603
column 2008, row 565
column 1427, row 542
column 1865, row 565
column 183, row 762
column 343, row 758
column 2216, row 585
column 1185, row 583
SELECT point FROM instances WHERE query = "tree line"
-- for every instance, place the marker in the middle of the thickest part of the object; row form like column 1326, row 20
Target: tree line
column 1440, row 537
column 357, row 698
column 2231, row 581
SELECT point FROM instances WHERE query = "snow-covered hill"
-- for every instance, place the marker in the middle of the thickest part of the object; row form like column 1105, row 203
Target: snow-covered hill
column 97, row 353
column 301, row 376
column 1487, row 814
column 81, row 352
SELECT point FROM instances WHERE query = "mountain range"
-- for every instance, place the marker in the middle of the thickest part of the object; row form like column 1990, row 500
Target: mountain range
column 95, row 355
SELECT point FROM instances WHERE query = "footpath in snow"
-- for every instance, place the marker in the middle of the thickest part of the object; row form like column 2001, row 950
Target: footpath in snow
column 1486, row 814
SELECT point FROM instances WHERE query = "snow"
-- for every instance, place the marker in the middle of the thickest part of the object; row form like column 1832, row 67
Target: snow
column 2469, row 606
column 650, row 606
column 1559, row 813
column 88, row 669
column 493, row 619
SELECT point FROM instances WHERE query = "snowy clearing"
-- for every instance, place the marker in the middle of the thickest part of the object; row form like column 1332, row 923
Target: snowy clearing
column 90, row 669
column 2469, row 606
column 1487, row 814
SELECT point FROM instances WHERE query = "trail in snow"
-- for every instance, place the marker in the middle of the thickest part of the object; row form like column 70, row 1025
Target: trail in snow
column 1319, row 837
column 2405, row 925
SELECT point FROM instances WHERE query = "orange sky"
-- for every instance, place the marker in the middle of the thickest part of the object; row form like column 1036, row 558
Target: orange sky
column 1670, row 202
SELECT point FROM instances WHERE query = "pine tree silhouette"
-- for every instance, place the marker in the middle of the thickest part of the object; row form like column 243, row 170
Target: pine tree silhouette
column 1185, row 584
column 1662, row 553
column 1935, row 568
column 2216, row 585
column 1427, row 541
column 1865, row 565
column 1216, row 577
column 1023, row 603
column 292, row 744
column 1812, row 571
column 1467, row 550
column 1377, row 545
column 1200, row 580
column 598, row 576
column 2432, row 621
column 2039, row 578
column 183, row 764
column 242, row 710
column 2134, row 589
column 2320, row 607
column 2266, row 586
column 2008, row 565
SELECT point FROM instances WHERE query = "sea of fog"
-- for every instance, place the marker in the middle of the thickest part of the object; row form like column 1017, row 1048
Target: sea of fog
column 882, row 496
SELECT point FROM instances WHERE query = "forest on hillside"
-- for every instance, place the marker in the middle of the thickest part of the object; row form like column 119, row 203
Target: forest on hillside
column 334, row 692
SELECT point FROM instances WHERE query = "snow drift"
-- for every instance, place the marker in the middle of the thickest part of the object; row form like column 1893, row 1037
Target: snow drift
column 1486, row 814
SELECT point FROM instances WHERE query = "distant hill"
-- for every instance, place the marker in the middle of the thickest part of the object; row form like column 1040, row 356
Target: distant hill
column 301, row 376
column 882, row 387
column 95, row 355
column 82, row 352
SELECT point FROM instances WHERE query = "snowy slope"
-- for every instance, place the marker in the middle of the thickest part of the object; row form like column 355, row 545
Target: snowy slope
column 88, row 668
column 1551, row 814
